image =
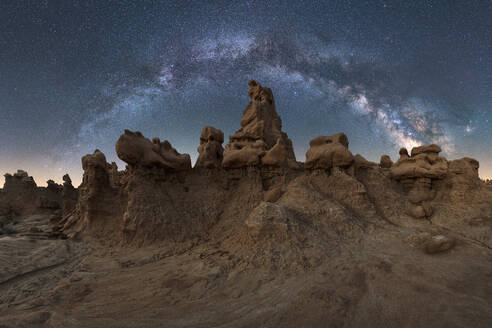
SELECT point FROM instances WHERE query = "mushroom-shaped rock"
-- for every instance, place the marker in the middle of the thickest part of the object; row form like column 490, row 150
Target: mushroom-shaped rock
column 138, row 151
column 425, row 162
column 326, row 152
column 260, row 126
column 385, row 162
column 210, row 149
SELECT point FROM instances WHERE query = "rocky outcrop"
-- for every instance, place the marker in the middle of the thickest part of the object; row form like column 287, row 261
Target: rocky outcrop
column 260, row 140
column 327, row 152
column 424, row 162
column 385, row 162
column 416, row 173
column 210, row 149
column 96, row 173
column 69, row 195
column 439, row 243
column 98, row 202
column 138, row 151
column 20, row 193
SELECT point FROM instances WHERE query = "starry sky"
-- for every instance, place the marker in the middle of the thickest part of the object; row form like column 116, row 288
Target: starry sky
column 390, row 74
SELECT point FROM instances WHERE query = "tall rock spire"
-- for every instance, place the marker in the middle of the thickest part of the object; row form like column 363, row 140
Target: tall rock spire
column 260, row 136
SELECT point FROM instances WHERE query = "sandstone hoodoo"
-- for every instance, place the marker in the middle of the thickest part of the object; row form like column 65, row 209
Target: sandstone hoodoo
column 136, row 150
column 69, row 195
column 330, row 152
column 416, row 173
column 260, row 139
column 210, row 149
column 385, row 162
column 334, row 241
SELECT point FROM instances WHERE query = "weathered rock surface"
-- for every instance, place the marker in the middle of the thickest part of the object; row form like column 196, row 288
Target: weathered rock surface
column 136, row 150
column 424, row 162
column 439, row 244
column 385, row 162
column 97, row 202
column 269, row 221
column 69, row 195
column 327, row 152
column 210, row 149
column 418, row 173
column 261, row 243
column 260, row 134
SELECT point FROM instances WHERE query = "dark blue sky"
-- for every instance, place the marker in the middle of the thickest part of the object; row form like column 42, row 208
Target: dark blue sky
column 74, row 74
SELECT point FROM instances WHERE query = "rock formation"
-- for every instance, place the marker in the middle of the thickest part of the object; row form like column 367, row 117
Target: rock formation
column 210, row 149
column 327, row 152
column 439, row 244
column 260, row 140
column 136, row 150
column 20, row 192
column 424, row 162
column 97, row 199
column 69, row 195
column 385, row 162
column 251, row 237
column 416, row 173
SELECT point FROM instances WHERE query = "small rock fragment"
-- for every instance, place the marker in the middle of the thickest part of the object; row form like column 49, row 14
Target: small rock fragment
column 439, row 244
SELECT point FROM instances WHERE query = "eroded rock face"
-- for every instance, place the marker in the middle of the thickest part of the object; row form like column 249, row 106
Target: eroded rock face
column 260, row 134
column 461, row 182
column 98, row 202
column 270, row 221
column 385, row 162
column 424, row 162
column 18, row 181
column 136, row 150
column 464, row 170
column 327, row 152
column 54, row 187
column 245, row 155
column 280, row 155
column 20, row 192
column 96, row 175
column 417, row 173
column 331, row 243
column 69, row 195
column 210, row 149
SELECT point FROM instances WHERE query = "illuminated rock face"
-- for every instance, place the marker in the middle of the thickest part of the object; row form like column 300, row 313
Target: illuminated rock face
column 424, row 162
column 260, row 140
column 136, row 150
column 327, row 152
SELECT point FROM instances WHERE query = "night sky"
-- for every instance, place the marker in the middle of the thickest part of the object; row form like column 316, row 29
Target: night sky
column 75, row 74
